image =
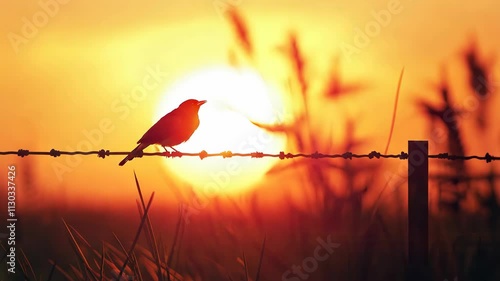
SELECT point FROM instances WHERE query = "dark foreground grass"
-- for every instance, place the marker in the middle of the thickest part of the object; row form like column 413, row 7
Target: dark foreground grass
column 235, row 246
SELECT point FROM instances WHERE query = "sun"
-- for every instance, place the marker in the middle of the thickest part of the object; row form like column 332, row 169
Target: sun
column 234, row 97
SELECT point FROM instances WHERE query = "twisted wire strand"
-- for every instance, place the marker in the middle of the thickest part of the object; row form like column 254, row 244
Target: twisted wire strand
column 488, row 158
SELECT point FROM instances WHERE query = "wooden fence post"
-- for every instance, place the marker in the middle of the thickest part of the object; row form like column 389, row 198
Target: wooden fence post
column 418, row 211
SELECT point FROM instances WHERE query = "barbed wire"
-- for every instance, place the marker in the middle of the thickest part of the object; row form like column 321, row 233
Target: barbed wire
column 464, row 178
column 228, row 154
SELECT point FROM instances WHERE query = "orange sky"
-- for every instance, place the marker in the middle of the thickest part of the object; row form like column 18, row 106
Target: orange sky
column 65, row 79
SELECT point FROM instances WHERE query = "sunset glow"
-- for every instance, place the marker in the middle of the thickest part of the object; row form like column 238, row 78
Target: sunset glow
column 234, row 98
column 381, row 117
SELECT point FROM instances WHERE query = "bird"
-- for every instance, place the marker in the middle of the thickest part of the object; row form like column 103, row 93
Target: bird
column 172, row 129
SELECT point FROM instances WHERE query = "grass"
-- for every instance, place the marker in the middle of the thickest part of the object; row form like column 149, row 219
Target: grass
column 238, row 239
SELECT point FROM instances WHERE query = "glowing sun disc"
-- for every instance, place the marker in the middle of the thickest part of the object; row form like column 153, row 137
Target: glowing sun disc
column 233, row 97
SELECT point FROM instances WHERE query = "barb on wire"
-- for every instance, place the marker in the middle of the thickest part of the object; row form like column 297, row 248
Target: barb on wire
column 228, row 154
column 487, row 157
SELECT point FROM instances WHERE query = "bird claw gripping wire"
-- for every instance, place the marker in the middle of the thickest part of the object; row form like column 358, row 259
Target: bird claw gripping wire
column 176, row 154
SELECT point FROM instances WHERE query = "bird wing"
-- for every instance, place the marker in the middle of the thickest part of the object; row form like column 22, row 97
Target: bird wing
column 167, row 127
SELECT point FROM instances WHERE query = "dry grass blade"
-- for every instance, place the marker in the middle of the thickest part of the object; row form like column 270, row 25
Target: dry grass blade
column 78, row 273
column 28, row 264
column 335, row 87
column 114, row 255
column 477, row 70
column 247, row 278
column 297, row 58
column 241, row 31
column 378, row 200
column 133, row 258
column 79, row 251
column 66, row 275
column 428, row 109
column 182, row 217
column 394, row 110
column 24, row 270
column 136, row 236
column 278, row 128
column 121, row 245
column 257, row 275
column 137, row 268
column 81, row 237
column 150, row 234
column 103, row 254
column 139, row 190
column 176, row 238
column 51, row 273
column 162, row 250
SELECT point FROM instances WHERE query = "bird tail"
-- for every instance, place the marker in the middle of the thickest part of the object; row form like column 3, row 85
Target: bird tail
column 132, row 154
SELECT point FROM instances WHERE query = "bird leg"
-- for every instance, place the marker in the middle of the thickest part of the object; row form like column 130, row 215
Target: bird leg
column 171, row 148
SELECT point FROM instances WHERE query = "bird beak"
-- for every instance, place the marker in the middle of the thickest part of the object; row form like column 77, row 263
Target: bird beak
column 201, row 102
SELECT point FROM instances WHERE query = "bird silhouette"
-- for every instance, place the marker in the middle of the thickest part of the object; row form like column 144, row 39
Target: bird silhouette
column 172, row 129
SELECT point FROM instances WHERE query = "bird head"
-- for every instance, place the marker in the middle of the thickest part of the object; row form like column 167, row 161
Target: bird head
column 192, row 105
